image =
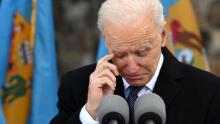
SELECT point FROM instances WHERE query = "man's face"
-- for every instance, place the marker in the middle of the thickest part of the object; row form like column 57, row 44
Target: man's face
column 136, row 49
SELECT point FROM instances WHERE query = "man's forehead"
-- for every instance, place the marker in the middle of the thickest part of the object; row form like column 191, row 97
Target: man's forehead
column 126, row 33
column 130, row 36
column 134, row 23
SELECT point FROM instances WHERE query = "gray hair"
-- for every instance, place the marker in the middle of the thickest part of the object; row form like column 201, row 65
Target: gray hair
column 121, row 12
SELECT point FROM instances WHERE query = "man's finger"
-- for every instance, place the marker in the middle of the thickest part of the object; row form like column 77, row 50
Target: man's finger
column 106, row 58
column 108, row 74
column 113, row 68
column 107, row 81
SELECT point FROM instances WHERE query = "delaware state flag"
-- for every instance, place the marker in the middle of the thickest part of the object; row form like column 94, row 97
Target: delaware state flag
column 184, row 35
column 28, row 72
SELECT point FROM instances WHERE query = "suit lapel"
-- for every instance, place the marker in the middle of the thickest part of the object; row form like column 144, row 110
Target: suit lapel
column 167, row 85
column 119, row 90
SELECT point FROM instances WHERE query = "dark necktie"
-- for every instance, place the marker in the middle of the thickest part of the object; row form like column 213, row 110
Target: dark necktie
column 133, row 91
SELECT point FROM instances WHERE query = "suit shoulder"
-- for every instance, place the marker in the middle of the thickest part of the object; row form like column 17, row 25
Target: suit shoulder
column 82, row 71
column 76, row 81
column 200, row 75
column 79, row 76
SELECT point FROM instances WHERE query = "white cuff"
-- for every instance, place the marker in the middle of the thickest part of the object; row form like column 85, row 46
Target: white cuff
column 86, row 118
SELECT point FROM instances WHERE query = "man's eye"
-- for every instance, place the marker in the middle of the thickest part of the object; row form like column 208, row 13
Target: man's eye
column 120, row 55
column 141, row 53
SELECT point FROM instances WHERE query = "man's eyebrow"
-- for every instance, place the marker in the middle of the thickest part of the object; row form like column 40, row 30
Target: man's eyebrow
column 115, row 50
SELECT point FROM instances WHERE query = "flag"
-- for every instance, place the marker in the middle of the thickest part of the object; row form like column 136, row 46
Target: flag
column 6, row 19
column 102, row 51
column 28, row 72
column 17, row 84
column 45, row 80
column 185, row 35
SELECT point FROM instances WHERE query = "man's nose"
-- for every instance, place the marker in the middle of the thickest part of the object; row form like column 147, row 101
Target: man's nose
column 132, row 65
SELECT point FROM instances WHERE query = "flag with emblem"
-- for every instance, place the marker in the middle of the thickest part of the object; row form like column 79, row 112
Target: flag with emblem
column 184, row 35
column 28, row 66
column 17, row 85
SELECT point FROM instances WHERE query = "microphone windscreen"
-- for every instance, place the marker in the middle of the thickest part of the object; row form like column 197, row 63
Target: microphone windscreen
column 113, row 104
column 152, row 104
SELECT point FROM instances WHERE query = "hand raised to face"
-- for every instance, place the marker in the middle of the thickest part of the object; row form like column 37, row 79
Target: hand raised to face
column 102, row 82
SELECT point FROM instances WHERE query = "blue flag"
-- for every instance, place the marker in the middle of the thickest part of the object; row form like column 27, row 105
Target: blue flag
column 166, row 5
column 102, row 51
column 45, row 79
column 45, row 82
column 6, row 19
column 7, row 7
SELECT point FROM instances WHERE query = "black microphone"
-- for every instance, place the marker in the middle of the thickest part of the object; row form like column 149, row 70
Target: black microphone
column 149, row 109
column 113, row 110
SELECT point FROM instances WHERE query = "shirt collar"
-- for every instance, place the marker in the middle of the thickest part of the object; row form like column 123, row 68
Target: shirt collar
column 153, row 80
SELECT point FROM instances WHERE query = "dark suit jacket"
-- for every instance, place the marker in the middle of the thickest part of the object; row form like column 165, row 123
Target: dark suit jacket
column 191, row 96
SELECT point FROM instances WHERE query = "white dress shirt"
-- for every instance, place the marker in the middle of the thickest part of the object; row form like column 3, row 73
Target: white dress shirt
column 85, row 117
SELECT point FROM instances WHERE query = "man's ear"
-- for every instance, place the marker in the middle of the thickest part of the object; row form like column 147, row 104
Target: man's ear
column 164, row 35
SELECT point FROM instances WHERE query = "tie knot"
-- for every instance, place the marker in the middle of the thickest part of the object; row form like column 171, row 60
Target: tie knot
column 135, row 89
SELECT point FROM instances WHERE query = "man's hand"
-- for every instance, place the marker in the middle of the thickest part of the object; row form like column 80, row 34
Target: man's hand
column 102, row 82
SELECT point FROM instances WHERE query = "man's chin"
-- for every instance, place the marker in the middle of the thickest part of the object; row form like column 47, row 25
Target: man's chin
column 136, row 82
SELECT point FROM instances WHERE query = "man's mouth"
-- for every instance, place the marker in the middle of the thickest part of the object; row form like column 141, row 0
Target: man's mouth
column 133, row 77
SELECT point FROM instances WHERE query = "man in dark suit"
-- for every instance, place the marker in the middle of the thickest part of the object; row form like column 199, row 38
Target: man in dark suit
column 135, row 35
